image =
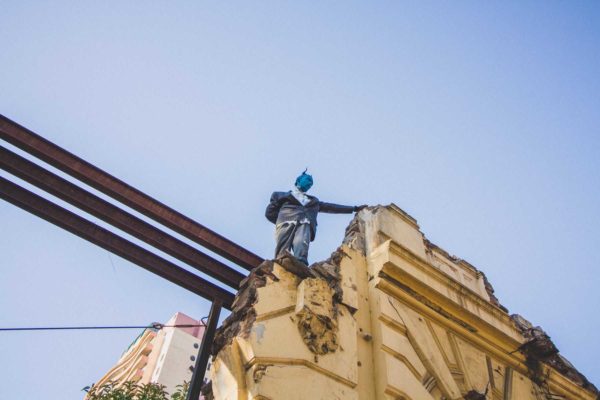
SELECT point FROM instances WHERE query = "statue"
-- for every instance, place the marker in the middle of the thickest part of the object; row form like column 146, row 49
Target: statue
column 294, row 214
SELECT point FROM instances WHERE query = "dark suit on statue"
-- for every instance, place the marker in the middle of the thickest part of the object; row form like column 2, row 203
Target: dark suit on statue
column 296, row 224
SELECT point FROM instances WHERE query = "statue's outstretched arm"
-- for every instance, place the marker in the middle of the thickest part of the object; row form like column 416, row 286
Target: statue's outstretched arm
column 336, row 208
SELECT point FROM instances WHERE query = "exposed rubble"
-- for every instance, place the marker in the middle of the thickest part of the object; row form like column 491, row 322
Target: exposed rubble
column 316, row 316
column 490, row 291
column 319, row 293
column 539, row 348
column 316, row 328
column 475, row 395
column 354, row 236
column 243, row 315
column 319, row 302
column 206, row 392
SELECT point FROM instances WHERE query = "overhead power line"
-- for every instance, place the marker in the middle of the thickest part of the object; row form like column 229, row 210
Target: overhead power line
column 154, row 325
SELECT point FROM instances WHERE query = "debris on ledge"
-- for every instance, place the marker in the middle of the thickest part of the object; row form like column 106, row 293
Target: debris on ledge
column 539, row 348
column 316, row 316
column 319, row 295
column 475, row 395
column 318, row 301
column 243, row 314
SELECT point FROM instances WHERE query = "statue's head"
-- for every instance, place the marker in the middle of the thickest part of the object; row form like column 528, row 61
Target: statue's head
column 304, row 182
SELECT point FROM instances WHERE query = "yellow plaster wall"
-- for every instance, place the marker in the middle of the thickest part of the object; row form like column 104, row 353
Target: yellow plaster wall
column 414, row 324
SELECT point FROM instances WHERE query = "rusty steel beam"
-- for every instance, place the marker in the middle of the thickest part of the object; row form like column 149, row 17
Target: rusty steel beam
column 117, row 217
column 93, row 233
column 93, row 176
column 204, row 352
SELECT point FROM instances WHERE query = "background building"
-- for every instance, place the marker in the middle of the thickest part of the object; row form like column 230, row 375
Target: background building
column 165, row 356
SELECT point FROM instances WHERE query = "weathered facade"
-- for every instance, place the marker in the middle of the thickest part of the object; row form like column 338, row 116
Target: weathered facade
column 388, row 316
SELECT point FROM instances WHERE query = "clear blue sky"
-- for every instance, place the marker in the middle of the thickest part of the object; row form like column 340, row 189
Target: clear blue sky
column 479, row 119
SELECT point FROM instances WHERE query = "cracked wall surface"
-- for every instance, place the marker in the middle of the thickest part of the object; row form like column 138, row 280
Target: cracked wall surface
column 389, row 315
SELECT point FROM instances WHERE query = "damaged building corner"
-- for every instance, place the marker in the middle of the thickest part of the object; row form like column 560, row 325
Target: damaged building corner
column 539, row 349
column 388, row 315
column 242, row 316
column 319, row 293
column 316, row 316
column 475, row 395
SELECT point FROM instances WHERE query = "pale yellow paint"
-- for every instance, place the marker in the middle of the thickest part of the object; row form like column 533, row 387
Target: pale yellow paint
column 414, row 324
column 279, row 296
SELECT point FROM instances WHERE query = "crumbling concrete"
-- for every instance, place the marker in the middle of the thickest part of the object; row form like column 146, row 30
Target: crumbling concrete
column 490, row 291
column 243, row 314
column 279, row 293
column 539, row 348
column 475, row 395
column 317, row 318
column 354, row 236
column 388, row 315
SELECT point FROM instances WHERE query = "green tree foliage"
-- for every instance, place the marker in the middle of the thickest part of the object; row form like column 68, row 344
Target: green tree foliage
column 132, row 391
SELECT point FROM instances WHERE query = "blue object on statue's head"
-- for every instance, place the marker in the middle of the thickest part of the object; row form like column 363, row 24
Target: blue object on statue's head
column 304, row 182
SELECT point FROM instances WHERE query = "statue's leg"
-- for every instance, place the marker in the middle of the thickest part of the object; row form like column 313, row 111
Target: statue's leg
column 301, row 242
column 284, row 236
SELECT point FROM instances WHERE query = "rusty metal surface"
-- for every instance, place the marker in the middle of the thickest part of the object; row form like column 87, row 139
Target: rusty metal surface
column 117, row 217
column 204, row 352
column 71, row 164
column 93, row 233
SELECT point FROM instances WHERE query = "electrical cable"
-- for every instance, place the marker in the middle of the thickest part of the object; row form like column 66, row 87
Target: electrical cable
column 154, row 325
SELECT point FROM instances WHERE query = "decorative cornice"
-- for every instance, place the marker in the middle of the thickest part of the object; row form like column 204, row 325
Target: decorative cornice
column 448, row 281
column 400, row 284
column 301, row 362
column 497, row 343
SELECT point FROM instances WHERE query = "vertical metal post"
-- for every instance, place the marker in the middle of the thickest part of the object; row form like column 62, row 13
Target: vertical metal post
column 204, row 352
